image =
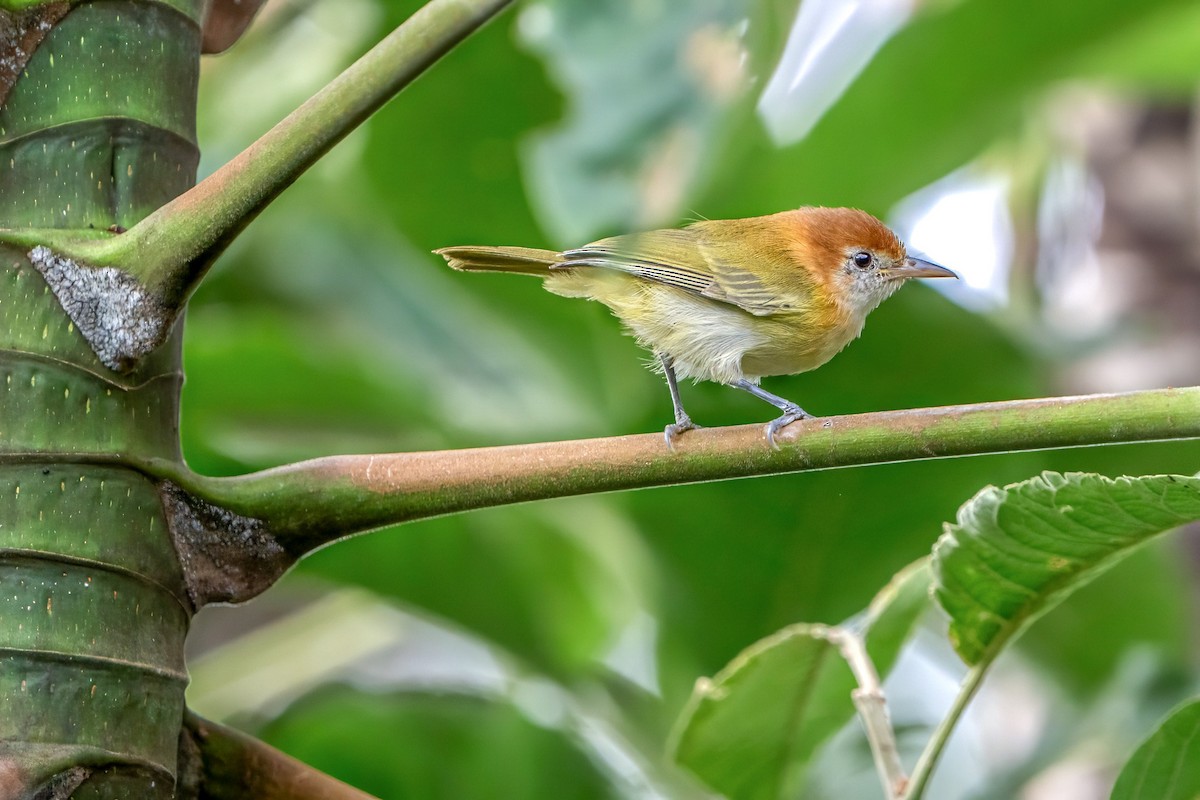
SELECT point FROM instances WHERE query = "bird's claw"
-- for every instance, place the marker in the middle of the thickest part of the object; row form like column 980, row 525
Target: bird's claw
column 789, row 416
column 680, row 425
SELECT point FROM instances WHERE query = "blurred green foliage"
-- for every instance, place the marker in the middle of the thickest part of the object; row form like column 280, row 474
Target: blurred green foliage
column 431, row 746
column 330, row 328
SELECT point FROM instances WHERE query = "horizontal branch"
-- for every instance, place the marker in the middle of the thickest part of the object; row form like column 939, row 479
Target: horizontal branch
column 307, row 504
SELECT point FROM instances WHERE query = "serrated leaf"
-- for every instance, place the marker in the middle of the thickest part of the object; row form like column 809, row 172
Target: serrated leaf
column 751, row 731
column 1016, row 552
column 1167, row 765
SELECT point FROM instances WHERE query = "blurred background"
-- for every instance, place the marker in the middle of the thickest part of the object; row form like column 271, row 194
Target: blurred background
column 1048, row 150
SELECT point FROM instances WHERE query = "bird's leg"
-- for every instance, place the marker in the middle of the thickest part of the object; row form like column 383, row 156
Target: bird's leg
column 791, row 411
column 682, row 421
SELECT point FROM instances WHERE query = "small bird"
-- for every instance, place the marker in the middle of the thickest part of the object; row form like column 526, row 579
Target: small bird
column 730, row 301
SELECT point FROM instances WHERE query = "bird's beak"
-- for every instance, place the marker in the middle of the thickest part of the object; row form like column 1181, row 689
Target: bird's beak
column 920, row 268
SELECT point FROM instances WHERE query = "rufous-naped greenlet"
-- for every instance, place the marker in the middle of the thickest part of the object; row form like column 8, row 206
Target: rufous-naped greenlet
column 730, row 301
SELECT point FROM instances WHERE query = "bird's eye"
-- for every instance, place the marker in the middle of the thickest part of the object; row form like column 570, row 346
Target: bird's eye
column 863, row 259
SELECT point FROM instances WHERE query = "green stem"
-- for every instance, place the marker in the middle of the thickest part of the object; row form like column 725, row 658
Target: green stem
column 941, row 735
column 872, row 708
column 313, row 502
column 171, row 249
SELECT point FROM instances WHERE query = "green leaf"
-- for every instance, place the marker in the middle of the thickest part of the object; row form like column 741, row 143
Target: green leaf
column 751, row 731
column 894, row 611
column 1167, row 765
column 1017, row 551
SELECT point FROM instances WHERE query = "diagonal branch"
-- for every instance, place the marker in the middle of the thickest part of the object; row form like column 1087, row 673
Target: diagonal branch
column 218, row 763
column 148, row 272
column 176, row 244
column 305, row 505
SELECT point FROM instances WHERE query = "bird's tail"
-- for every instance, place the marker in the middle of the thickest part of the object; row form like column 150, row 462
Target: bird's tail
column 521, row 260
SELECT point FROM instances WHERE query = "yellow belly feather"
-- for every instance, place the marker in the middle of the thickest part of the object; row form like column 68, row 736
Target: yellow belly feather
column 711, row 340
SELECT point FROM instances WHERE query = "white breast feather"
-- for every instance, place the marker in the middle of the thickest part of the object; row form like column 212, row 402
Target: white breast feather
column 705, row 339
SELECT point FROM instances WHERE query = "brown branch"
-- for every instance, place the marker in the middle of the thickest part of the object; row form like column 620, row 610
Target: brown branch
column 219, row 763
column 308, row 504
column 226, row 21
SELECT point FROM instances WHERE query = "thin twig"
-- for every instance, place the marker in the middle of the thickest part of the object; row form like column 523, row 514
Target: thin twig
column 872, row 710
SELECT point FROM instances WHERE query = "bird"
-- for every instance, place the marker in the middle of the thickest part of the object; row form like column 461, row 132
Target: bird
column 730, row 301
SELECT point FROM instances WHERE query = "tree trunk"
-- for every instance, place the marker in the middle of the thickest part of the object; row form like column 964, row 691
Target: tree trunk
column 97, row 129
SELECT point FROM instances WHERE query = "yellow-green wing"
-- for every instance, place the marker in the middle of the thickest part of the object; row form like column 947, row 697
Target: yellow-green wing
column 687, row 258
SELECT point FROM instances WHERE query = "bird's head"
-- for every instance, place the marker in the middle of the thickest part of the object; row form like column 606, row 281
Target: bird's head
column 860, row 261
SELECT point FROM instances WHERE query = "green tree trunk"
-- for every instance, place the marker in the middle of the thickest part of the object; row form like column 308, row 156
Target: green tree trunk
column 97, row 129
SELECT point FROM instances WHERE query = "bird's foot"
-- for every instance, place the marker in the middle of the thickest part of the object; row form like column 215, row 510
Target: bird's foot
column 682, row 423
column 790, row 415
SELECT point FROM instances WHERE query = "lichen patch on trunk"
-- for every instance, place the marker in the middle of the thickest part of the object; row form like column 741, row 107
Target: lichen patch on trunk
column 115, row 313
